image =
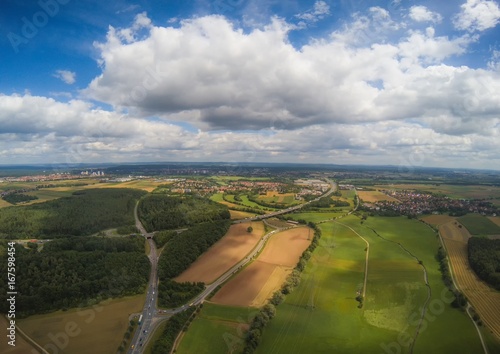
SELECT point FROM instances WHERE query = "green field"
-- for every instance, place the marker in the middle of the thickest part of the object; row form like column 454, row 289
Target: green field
column 49, row 194
column 249, row 203
column 217, row 329
column 321, row 315
column 314, row 217
column 479, row 225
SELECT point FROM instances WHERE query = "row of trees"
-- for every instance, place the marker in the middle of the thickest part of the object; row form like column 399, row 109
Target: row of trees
column 75, row 272
column 172, row 329
column 460, row 300
column 484, row 258
column 161, row 212
column 84, row 213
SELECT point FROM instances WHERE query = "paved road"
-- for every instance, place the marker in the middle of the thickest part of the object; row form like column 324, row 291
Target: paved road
column 333, row 188
column 149, row 311
column 152, row 316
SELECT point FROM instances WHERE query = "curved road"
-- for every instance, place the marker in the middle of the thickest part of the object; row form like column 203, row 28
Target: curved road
column 152, row 316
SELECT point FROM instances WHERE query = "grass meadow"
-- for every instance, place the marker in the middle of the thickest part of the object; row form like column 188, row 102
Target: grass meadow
column 217, row 329
column 322, row 314
column 479, row 225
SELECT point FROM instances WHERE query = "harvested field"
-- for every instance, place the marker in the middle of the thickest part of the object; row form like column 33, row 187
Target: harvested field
column 484, row 299
column 98, row 329
column 235, row 214
column 244, row 289
column 437, row 219
column 495, row 219
column 225, row 253
column 375, row 196
column 256, row 283
column 285, row 248
column 21, row 347
column 4, row 204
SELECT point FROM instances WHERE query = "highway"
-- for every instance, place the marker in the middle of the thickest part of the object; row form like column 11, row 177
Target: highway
column 152, row 316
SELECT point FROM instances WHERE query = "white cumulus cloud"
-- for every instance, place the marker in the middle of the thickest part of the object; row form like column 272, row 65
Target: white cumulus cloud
column 66, row 76
column 421, row 13
column 477, row 15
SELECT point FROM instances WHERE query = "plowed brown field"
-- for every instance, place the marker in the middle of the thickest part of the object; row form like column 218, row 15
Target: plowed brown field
column 438, row 219
column 484, row 299
column 375, row 196
column 256, row 283
column 225, row 253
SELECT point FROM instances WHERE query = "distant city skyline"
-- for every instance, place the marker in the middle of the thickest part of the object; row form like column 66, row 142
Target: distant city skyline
column 335, row 82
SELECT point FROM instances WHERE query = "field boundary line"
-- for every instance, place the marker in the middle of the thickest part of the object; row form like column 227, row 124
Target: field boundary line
column 31, row 341
column 426, row 281
column 366, row 256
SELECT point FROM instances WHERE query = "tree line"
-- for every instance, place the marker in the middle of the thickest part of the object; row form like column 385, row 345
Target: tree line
column 76, row 272
column 162, row 212
column 81, row 214
column 180, row 251
column 484, row 258
column 175, row 324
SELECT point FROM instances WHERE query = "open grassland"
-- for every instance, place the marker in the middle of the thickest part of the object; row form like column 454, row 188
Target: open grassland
column 375, row 196
column 321, row 314
column 348, row 193
column 217, row 197
column 236, row 215
column 479, row 225
column 314, row 217
column 51, row 193
column 275, row 197
column 216, row 329
column 277, row 223
column 225, row 253
column 245, row 201
column 485, row 300
column 21, row 347
column 257, row 282
column 98, row 329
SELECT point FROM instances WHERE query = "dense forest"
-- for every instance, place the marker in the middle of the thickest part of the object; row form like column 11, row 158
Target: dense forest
column 181, row 251
column 15, row 198
column 84, row 213
column 161, row 212
column 484, row 258
column 76, row 271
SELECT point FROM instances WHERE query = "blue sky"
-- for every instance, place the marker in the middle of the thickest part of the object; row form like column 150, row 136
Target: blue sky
column 361, row 82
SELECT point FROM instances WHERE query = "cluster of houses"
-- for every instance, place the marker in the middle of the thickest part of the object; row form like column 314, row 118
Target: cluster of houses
column 414, row 203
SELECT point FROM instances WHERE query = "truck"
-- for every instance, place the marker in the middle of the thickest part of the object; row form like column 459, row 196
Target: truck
column 140, row 319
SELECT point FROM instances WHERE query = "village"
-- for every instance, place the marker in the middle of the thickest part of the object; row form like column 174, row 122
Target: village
column 413, row 203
